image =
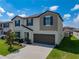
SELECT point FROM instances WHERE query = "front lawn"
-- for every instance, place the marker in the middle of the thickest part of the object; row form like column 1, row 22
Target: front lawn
column 68, row 49
column 4, row 48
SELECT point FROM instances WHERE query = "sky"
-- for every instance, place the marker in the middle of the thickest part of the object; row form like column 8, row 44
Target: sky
column 68, row 9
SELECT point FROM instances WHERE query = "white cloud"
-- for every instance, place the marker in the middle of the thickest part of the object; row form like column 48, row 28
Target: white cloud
column 10, row 14
column 73, row 23
column 76, row 20
column 53, row 8
column 2, row 10
column 66, row 16
column 76, row 7
column 23, row 15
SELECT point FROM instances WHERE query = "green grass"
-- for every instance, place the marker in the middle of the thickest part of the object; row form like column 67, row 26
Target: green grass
column 68, row 49
column 4, row 48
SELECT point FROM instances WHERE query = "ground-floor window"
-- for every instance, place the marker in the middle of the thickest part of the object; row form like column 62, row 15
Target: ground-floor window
column 26, row 35
column 1, row 32
column 17, row 34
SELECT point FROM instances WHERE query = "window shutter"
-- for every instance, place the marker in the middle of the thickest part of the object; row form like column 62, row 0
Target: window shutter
column 19, row 22
column 51, row 20
column 19, row 34
column 44, row 21
column 27, row 22
column 15, row 23
column 32, row 21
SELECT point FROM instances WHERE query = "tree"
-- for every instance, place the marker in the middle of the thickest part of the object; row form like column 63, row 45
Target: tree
column 10, row 37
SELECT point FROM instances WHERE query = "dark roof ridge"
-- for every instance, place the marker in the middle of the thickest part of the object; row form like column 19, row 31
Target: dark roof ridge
column 38, row 15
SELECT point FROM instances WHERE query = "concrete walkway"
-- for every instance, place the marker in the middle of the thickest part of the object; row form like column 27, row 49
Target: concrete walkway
column 34, row 51
column 2, row 57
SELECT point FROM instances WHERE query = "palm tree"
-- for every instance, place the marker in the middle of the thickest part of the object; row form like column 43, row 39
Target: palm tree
column 10, row 37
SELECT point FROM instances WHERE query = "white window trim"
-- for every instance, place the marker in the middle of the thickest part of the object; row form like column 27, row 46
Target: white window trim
column 47, row 16
column 48, row 24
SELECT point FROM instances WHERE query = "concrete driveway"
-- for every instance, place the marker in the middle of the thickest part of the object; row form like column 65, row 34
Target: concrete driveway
column 34, row 51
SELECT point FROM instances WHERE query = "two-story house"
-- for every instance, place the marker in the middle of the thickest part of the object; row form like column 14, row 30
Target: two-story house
column 46, row 28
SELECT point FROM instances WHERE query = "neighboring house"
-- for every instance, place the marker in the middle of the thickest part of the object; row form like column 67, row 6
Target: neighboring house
column 76, row 33
column 4, row 27
column 68, row 31
column 46, row 28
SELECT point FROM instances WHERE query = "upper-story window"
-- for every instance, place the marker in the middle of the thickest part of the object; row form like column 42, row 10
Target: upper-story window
column 48, row 20
column 17, row 22
column 30, row 22
column 6, row 25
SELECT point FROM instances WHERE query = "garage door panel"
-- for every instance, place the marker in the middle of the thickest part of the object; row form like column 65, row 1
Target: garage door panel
column 45, row 39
